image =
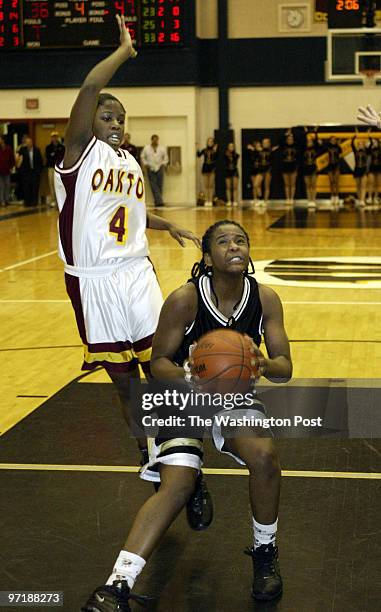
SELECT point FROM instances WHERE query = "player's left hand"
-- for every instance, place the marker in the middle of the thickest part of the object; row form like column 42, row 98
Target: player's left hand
column 369, row 116
column 125, row 38
column 178, row 233
column 259, row 361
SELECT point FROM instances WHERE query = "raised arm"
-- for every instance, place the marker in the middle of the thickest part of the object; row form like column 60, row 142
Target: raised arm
column 80, row 128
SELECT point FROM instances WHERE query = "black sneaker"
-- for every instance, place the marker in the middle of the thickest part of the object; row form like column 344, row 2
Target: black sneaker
column 200, row 506
column 113, row 598
column 144, row 456
column 267, row 582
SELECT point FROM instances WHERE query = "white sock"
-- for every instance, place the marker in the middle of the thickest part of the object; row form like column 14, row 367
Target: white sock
column 264, row 534
column 127, row 567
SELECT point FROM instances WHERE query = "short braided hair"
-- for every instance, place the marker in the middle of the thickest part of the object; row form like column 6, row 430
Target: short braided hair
column 199, row 268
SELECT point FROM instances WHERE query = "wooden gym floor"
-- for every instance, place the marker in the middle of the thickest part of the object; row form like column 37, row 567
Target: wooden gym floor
column 68, row 466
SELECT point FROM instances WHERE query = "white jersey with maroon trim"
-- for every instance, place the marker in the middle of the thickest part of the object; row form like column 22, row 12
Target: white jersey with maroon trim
column 102, row 208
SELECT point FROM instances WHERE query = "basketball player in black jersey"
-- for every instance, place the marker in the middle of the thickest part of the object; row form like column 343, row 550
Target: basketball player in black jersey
column 221, row 293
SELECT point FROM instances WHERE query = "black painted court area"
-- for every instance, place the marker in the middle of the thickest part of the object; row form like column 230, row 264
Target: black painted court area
column 303, row 218
column 62, row 530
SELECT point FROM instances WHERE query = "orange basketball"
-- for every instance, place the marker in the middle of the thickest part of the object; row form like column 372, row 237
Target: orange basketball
column 222, row 362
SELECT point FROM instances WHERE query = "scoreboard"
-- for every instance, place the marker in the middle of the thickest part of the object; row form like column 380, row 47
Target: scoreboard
column 29, row 24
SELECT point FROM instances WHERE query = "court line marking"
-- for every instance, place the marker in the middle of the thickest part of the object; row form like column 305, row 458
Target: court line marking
column 129, row 469
column 284, row 302
column 26, row 261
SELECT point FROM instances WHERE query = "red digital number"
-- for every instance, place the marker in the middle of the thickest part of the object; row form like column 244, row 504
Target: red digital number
column 15, row 4
column 161, row 37
column 176, row 24
column 16, row 41
column 119, row 7
column 40, row 10
column 160, row 11
column 1, row 16
column 175, row 11
column 80, row 7
column 14, row 16
column 175, row 37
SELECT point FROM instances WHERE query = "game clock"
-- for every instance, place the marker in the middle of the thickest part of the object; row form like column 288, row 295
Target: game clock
column 91, row 23
column 345, row 14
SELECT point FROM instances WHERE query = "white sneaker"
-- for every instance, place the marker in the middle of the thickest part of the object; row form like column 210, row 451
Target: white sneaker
column 228, row 204
column 234, row 204
column 311, row 204
column 208, row 204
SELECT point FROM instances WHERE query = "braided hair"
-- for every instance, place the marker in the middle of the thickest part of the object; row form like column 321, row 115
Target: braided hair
column 199, row 268
column 103, row 97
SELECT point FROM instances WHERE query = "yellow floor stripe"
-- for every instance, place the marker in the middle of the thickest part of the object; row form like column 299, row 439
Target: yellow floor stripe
column 130, row 469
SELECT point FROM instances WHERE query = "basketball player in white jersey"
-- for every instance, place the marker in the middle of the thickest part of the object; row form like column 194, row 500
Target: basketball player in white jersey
column 102, row 238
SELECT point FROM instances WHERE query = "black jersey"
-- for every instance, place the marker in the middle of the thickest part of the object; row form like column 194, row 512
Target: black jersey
column 210, row 155
column 334, row 153
column 361, row 156
column 375, row 155
column 265, row 156
column 255, row 161
column 247, row 317
column 231, row 160
column 310, row 155
column 289, row 154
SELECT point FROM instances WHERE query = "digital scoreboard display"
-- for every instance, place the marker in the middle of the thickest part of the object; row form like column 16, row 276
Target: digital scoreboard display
column 345, row 13
column 45, row 24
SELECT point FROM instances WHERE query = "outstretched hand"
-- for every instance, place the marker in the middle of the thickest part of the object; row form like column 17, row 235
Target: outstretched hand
column 178, row 233
column 369, row 116
column 125, row 38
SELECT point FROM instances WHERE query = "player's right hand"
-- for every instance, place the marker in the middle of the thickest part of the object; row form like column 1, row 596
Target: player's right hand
column 188, row 364
column 125, row 38
column 369, row 116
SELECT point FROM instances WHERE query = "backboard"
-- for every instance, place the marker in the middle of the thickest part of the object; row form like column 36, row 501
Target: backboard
column 350, row 52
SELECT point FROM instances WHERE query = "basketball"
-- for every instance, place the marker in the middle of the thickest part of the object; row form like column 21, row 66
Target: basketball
column 222, row 362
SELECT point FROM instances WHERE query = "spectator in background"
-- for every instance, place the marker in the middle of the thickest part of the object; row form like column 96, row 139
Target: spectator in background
column 231, row 175
column 128, row 146
column 29, row 163
column 310, row 153
column 155, row 158
column 335, row 152
column 255, row 149
column 266, row 158
column 7, row 162
column 208, row 170
column 289, row 154
column 55, row 152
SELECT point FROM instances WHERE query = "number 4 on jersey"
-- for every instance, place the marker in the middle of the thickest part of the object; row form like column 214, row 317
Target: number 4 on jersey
column 118, row 225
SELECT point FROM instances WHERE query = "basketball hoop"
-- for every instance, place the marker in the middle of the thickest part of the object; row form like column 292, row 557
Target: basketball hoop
column 369, row 78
